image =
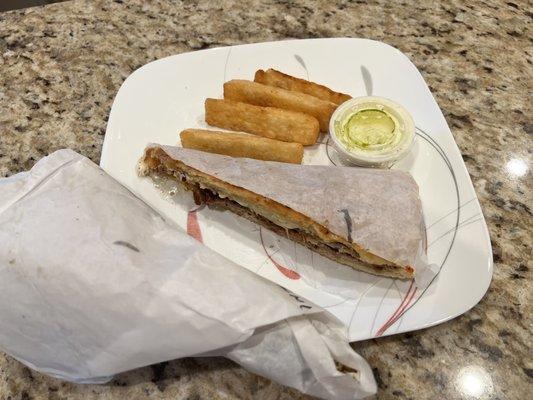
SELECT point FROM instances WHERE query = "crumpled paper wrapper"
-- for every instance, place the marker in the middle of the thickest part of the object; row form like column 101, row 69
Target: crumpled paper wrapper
column 94, row 282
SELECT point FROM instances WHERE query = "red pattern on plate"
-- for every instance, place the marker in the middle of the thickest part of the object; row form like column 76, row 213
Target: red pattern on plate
column 289, row 273
column 193, row 227
column 400, row 310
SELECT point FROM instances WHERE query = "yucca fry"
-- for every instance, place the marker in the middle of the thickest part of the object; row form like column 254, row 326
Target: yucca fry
column 270, row 96
column 273, row 123
column 242, row 145
column 271, row 77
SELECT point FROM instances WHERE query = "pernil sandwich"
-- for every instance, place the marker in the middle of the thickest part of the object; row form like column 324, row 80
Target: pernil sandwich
column 367, row 219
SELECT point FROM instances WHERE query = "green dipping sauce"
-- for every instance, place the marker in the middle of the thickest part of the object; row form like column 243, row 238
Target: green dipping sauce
column 368, row 130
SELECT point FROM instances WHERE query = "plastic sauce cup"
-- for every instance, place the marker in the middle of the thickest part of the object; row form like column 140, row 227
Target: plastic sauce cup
column 372, row 153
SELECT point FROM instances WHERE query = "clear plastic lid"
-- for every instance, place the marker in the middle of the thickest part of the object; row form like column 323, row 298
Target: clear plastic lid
column 373, row 155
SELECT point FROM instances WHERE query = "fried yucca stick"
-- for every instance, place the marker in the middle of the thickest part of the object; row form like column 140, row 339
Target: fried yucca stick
column 271, row 77
column 242, row 145
column 273, row 123
column 270, row 96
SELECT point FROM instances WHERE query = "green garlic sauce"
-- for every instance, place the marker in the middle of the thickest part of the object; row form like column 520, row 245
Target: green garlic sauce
column 368, row 130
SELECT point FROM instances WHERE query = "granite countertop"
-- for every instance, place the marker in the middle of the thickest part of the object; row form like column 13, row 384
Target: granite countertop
column 61, row 66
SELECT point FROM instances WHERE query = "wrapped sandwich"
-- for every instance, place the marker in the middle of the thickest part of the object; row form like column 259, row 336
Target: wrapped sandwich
column 367, row 219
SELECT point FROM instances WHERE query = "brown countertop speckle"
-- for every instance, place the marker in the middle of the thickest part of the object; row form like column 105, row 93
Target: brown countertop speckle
column 61, row 66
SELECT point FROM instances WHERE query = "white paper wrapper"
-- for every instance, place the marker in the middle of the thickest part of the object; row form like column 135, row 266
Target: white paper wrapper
column 93, row 282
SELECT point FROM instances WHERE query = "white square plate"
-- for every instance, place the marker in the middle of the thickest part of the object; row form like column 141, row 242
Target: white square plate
column 163, row 97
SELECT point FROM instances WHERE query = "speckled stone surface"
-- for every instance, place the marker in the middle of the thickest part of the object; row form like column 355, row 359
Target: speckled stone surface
column 61, row 65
